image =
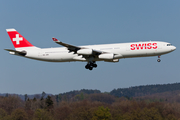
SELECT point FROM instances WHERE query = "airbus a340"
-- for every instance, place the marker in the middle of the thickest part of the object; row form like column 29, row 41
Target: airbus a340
column 89, row 53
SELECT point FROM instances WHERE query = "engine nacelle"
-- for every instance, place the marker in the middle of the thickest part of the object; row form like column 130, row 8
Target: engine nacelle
column 85, row 52
column 113, row 60
column 108, row 56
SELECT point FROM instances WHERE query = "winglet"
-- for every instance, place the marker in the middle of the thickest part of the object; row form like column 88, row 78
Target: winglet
column 55, row 40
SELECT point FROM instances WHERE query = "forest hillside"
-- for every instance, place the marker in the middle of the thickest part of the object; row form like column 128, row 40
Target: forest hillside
column 151, row 102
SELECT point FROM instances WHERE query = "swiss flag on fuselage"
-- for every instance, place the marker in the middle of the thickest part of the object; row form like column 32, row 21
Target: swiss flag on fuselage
column 17, row 39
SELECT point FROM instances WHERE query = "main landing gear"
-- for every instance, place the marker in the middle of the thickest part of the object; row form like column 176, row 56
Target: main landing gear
column 91, row 65
column 159, row 60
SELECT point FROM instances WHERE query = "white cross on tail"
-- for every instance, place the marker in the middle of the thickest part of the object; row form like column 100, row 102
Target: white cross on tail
column 17, row 39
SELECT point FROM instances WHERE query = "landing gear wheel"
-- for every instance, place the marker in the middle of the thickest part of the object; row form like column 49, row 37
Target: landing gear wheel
column 91, row 65
column 90, row 68
column 87, row 66
column 159, row 60
column 94, row 65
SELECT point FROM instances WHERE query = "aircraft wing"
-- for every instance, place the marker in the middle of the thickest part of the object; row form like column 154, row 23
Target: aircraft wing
column 74, row 48
column 70, row 47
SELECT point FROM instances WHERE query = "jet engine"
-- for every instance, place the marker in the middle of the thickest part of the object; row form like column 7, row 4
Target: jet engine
column 85, row 52
column 106, row 56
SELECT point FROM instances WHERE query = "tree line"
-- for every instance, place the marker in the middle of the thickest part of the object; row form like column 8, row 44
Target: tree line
column 145, row 90
column 135, row 91
column 96, row 106
column 151, row 102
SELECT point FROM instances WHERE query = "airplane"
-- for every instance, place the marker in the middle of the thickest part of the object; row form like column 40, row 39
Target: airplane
column 88, row 53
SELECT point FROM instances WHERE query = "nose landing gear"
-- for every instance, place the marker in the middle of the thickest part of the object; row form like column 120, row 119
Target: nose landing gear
column 159, row 60
column 91, row 65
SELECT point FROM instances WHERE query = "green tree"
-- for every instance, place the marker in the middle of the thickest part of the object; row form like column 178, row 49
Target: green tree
column 102, row 114
column 106, row 98
column 10, row 103
column 43, row 95
column 7, row 95
column 143, row 114
column 59, row 97
column 151, row 114
column 8, row 117
column 63, row 113
column 34, row 99
column 19, row 114
column 3, row 113
column 41, row 114
column 80, row 96
column 82, row 110
column 28, row 104
column 57, row 100
column 49, row 102
column 25, row 97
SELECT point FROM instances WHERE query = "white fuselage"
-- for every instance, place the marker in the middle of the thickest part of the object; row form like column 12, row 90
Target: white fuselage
column 89, row 53
column 120, row 50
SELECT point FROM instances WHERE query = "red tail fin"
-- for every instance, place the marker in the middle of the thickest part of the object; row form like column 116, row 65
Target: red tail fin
column 17, row 39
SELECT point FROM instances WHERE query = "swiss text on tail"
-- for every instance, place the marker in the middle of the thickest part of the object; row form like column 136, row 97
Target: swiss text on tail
column 17, row 39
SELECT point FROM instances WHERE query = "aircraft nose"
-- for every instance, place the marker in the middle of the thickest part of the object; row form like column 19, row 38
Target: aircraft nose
column 174, row 48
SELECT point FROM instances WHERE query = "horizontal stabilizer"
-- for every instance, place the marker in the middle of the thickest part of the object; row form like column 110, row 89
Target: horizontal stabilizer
column 22, row 53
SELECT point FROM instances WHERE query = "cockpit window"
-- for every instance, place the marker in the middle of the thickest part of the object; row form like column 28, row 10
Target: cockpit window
column 169, row 44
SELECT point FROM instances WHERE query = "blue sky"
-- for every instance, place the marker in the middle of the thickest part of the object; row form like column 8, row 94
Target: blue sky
column 85, row 22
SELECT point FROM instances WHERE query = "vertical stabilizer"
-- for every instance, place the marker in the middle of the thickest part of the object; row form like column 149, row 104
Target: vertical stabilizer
column 17, row 39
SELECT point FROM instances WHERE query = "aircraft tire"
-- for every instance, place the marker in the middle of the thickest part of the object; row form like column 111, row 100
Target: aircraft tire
column 90, row 68
column 95, row 65
column 159, row 60
column 87, row 66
